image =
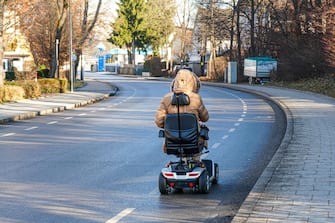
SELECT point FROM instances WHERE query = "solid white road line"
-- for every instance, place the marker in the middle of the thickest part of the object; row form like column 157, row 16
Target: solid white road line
column 120, row 215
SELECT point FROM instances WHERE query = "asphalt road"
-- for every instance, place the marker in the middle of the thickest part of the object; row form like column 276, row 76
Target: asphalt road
column 101, row 163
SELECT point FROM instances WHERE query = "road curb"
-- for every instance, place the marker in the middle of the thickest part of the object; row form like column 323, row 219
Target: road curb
column 59, row 108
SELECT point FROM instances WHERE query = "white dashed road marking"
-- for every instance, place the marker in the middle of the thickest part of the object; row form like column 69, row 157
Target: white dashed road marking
column 216, row 145
column 8, row 134
column 225, row 137
column 232, row 130
column 31, row 128
column 51, row 123
column 120, row 215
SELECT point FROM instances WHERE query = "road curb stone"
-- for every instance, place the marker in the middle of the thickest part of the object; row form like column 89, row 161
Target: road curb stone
column 31, row 108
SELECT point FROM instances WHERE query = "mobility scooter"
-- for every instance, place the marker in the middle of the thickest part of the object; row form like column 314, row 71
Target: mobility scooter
column 181, row 132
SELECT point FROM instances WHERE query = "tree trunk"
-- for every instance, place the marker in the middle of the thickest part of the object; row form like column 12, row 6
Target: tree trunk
column 133, row 52
column 252, row 29
column 129, row 55
column 79, row 53
column 2, row 9
column 86, row 29
column 60, row 25
column 238, row 39
column 55, row 57
column 232, row 33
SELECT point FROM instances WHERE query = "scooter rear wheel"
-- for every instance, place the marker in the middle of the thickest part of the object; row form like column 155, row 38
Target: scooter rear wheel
column 162, row 184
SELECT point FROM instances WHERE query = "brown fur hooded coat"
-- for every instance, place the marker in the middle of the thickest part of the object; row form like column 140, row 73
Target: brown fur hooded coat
column 188, row 83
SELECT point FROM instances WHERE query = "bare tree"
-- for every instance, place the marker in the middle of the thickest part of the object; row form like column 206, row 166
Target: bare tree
column 185, row 20
column 42, row 22
column 86, row 22
column 45, row 24
column 301, row 37
column 329, row 37
column 60, row 18
column 215, row 20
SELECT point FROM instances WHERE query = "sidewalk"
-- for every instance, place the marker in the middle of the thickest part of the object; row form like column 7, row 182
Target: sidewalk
column 298, row 185
column 94, row 91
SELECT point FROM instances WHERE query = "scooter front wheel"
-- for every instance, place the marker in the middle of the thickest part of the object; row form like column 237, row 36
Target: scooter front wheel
column 216, row 173
column 204, row 183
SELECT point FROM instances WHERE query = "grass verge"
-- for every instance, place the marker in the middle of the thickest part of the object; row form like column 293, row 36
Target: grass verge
column 320, row 85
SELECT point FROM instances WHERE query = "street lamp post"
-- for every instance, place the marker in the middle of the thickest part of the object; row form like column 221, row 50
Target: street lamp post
column 70, row 48
column 57, row 58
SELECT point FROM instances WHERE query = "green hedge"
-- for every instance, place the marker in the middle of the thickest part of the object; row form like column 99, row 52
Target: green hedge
column 11, row 93
column 17, row 90
column 153, row 66
column 50, row 85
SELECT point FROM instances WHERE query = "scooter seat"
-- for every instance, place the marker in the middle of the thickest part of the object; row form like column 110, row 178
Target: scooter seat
column 181, row 134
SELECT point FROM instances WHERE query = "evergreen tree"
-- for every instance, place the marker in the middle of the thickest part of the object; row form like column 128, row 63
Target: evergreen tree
column 128, row 30
column 141, row 24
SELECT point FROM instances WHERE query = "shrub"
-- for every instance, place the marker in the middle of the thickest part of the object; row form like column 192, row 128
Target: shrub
column 44, row 73
column 63, row 85
column 153, row 66
column 23, row 75
column 11, row 93
column 146, row 66
column 17, row 90
column 10, row 75
column 50, row 85
column 31, row 88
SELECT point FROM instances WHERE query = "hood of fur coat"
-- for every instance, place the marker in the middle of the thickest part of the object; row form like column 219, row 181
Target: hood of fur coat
column 186, row 81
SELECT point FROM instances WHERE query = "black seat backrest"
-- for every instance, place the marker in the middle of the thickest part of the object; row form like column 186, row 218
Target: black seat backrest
column 181, row 134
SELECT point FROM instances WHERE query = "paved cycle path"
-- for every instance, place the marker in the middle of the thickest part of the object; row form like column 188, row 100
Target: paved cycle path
column 298, row 185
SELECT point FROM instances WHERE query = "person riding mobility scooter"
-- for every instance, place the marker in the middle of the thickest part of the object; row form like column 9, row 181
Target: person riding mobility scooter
column 180, row 114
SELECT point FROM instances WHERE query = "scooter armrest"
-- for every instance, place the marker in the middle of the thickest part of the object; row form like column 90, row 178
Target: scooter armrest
column 161, row 133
